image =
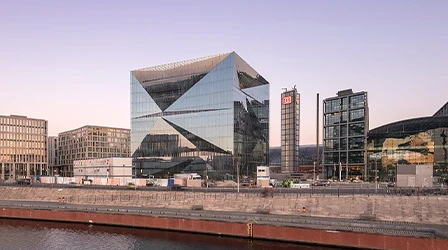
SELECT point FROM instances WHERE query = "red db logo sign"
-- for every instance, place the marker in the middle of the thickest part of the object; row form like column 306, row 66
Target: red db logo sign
column 286, row 100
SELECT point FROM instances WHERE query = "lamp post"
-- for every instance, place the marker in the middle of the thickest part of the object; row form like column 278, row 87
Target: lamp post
column 237, row 171
column 334, row 170
column 346, row 172
column 206, row 175
column 238, row 177
column 340, row 171
column 314, row 171
column 376, row 170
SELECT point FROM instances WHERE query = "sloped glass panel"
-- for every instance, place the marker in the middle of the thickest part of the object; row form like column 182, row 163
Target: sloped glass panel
column 141, row 104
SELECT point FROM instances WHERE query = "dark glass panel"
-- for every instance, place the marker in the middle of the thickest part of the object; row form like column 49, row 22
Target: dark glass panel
column 356, row 129
column 356, row 143
column 357, row 115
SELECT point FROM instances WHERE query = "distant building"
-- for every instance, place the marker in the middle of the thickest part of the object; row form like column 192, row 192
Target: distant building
column 346, row 123
column 23, row 147
column 103, row 168
column 91, row 142
column 443, row 111
column 421, row 141
column 208, row 114
column 290, row 131
column 52, row 154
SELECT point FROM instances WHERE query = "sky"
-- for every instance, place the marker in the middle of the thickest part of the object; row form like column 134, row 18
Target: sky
column 69, row 62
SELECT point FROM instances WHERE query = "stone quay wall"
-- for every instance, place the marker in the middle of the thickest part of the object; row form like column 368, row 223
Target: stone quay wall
column 418, row 209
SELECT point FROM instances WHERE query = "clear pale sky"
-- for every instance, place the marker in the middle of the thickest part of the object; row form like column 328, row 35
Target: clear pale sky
column 69, row 62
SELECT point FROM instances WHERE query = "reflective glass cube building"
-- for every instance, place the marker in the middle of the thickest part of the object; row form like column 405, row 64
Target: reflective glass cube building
column 205, row 115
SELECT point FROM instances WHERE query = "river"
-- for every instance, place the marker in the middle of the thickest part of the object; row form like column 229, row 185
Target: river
column 40, row 235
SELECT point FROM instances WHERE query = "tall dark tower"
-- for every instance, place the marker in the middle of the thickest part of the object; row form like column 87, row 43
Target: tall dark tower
column 345, row 123
column 290, row 130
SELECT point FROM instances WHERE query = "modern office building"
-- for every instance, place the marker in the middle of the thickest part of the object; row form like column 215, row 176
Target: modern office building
column 290, row 128
column 346, row 123
column 23, row 147
column 89, row 142
column 413, row 141
column 208, row 115
column 52, row 154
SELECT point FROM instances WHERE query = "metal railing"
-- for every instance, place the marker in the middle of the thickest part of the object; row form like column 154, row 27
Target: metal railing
column 332, row 190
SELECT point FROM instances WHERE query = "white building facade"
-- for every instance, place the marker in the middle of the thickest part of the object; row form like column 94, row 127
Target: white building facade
column 105, row 171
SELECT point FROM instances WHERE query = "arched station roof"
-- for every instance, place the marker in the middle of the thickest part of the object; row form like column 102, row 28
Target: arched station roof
column 408, row 127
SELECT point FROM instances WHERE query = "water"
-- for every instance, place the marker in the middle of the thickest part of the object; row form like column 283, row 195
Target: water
column 37, row 235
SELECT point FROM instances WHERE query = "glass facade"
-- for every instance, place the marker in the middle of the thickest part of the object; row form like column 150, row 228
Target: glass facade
column 201, row 115
column 345, row 131
column 290, row 127
column 23, row 147
column 414, row 141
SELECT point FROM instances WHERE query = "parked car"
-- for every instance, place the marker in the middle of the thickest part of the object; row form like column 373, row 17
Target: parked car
column 131, row 185
column 390, row 184
column 176, row 187
column 24, row 181
column 322, row 182
column 74, row 184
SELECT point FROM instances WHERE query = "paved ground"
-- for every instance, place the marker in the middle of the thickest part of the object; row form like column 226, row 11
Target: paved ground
column 331, row 224
column 334, row 188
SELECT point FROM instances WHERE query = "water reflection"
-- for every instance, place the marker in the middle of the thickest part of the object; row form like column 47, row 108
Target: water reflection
column 22, row 234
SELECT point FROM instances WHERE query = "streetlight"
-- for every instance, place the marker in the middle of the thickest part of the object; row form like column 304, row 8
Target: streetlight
column 314, row 171
column 340, row 171
column 206, row 175
column 376, row 170
column 346, row 172
column 237, row 171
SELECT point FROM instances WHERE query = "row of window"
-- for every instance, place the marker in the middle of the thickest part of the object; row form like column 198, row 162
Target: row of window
column 90, row 149
column 11, row 151
column 344, row 116
column 341, row 131
column 336, row 157
column 22, row 137
column 22, row 144
column 341, row 144
column 9, row 121
column 96, row 135
column 71, row 158
column 352, row 102
column 23, row 158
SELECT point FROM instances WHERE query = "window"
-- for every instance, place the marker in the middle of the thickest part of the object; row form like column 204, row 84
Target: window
column 356, row 129
column 357, row 115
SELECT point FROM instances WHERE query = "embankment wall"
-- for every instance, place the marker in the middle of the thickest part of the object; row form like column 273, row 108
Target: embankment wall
column 249, row 230
column 419, row 209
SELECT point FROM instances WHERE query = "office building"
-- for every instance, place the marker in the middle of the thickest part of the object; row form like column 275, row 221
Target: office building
column 346, row 123
column 290, row 128
column 208, row 115
column 52, row 154
column 23, row 147
column 91, row 142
